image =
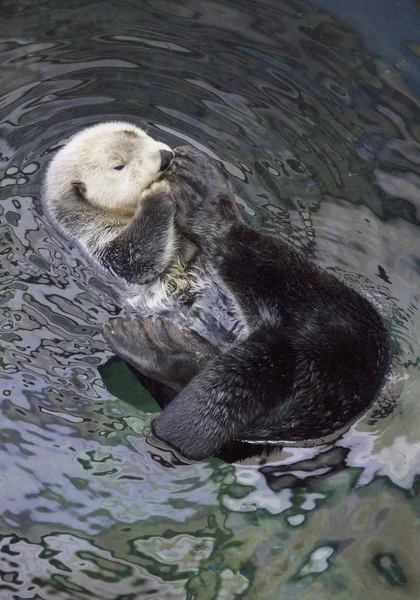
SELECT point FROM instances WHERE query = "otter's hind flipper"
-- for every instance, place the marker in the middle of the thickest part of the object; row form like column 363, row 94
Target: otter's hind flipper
column 159, row 349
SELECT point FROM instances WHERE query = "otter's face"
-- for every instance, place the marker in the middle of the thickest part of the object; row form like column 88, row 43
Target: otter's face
column 111, row 164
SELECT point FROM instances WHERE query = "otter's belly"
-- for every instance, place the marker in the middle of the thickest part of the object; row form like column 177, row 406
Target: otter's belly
column 203, row 306
column 214, row 315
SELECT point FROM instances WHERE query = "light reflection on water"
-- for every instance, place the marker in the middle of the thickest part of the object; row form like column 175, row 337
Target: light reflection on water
column 321, row 138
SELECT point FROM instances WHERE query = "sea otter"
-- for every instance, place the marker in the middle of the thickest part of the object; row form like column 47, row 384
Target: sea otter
column 259, row 344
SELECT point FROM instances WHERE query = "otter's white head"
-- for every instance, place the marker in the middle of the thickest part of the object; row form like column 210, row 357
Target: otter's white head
column 109, row 165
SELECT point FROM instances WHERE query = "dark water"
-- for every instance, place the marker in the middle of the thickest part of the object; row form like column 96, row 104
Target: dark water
column 317, row 119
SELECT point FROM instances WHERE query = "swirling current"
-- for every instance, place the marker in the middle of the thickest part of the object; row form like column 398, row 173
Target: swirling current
column 314, row 110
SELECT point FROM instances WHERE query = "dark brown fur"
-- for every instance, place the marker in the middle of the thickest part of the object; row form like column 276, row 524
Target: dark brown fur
column 315, row 353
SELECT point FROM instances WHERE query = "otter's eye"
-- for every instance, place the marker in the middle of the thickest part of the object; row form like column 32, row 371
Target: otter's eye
column 119, row 168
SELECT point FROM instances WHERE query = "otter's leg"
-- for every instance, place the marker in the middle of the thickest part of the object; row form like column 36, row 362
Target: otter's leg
column 248, row 382
column 140, row 251
column 159, row 349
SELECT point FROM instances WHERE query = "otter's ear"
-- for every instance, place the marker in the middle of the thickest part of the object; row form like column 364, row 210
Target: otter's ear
column 80, row 188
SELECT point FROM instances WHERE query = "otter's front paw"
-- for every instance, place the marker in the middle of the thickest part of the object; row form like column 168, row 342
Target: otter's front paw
column 161, row 186
column 198, row 171
column 206, row 203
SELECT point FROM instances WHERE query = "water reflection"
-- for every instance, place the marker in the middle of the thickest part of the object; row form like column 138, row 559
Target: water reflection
column 320, row 136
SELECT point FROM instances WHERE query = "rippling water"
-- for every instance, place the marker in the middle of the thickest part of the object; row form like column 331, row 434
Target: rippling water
column 317, row 119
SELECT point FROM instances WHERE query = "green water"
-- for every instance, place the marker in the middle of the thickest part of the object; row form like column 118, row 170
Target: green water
column 316, row 117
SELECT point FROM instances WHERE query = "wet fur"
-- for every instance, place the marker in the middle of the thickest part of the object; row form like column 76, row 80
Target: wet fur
column 308, row 354
column 123, row 220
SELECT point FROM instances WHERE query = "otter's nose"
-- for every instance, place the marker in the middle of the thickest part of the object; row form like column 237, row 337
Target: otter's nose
column 166, row 157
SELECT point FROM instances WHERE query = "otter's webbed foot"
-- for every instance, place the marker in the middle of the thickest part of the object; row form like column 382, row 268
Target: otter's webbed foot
column 159, row 349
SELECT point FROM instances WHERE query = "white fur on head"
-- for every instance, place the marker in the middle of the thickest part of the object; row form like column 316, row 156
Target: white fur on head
column 89, row 160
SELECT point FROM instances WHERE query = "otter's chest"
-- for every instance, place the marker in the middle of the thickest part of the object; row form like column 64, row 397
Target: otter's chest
column 194, row 298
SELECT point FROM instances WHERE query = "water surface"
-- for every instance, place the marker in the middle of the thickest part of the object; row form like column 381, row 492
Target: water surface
column 317, row 119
